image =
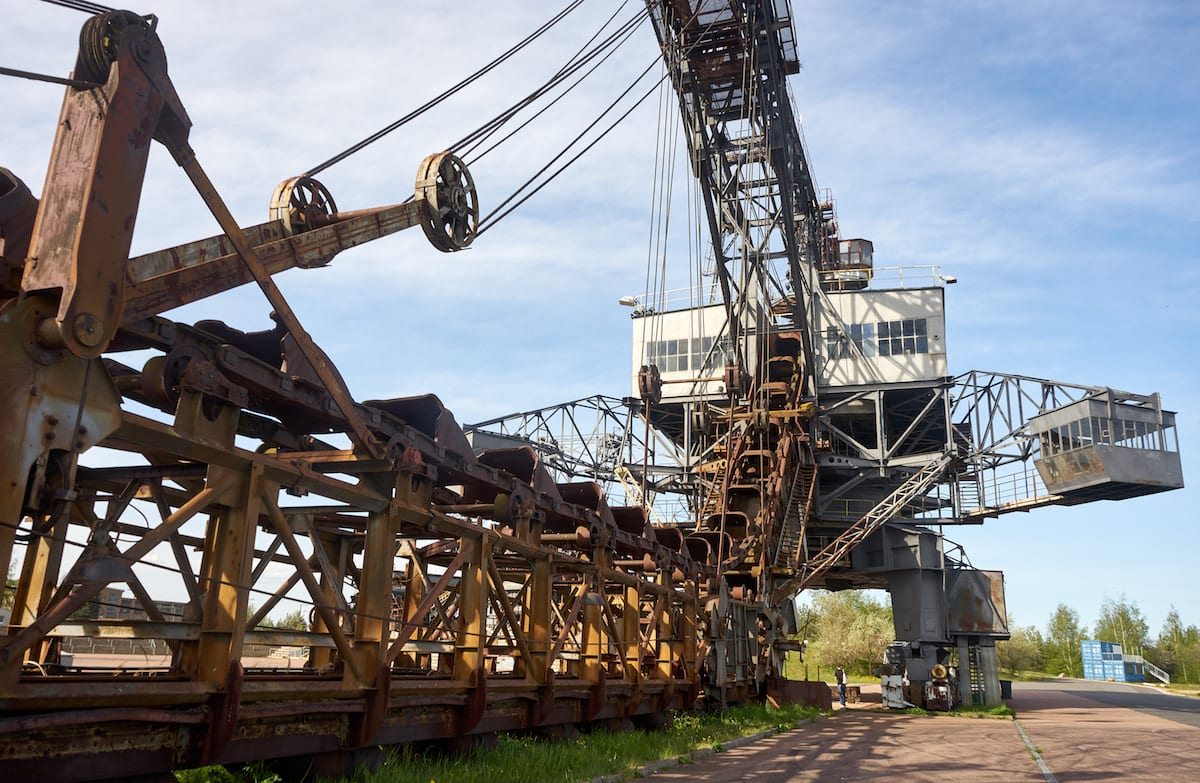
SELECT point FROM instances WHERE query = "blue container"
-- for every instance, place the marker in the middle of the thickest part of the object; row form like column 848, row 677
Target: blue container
column 1105, row 661
column 1114, row 670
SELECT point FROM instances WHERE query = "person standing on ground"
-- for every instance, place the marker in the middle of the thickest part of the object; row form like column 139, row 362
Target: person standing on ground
column 841, row 685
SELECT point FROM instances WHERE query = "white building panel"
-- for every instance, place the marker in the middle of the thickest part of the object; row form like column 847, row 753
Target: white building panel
column 685, row 345
column 891, row 336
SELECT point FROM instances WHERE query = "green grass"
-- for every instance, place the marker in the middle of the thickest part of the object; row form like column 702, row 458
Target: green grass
column 1022, row 675
column 968, row 711
column 523, row 759
column 526, row 759
column 995, row 711
column 1184, row 688
column 251, row 773
column 816, row 670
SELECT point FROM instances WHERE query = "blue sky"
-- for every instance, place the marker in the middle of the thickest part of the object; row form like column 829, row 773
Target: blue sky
column 1044, row 153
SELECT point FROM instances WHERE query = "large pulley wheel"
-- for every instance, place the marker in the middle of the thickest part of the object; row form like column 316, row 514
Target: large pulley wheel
column 451, row 207
column 650, row 384
column 302, row 204
column 101, row 38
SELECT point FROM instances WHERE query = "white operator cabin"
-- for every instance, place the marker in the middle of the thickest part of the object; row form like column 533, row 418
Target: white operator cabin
column 887, row 336
column 690, row 347
column 894, row 334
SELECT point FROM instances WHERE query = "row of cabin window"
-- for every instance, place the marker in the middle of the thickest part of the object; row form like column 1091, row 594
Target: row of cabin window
column 684, row 353
column 882, row 338
column 1085, row 432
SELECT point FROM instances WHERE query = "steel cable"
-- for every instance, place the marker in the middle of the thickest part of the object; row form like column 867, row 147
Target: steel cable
column 489, row 129
column 78, row 84
column 492, row 218
column 446, row 94
column 81, row 5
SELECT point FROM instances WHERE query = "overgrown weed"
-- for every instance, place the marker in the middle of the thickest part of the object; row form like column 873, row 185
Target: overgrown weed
column 528, row 759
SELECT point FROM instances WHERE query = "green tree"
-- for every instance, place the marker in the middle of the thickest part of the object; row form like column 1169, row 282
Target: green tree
column 1179, row 649
column 852, row 629
column 1023, row 651
column 1122, row 622
column 1063, row 635
column 293, row 621
column 10, row 587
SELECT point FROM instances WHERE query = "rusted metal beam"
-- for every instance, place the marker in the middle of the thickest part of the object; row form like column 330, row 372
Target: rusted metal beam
column 415, row 619
column 332, row 626
column 508, row 615
column 316, row 357
column 169, row 278
column 147, row 433
column 85, row 222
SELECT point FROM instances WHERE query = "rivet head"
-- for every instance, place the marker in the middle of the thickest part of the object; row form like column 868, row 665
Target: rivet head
column 88, row 329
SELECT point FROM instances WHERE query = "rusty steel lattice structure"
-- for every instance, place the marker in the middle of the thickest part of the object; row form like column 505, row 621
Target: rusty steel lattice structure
column 449, row 592
column 812, row 458
column 728, row 63
column 455, row 583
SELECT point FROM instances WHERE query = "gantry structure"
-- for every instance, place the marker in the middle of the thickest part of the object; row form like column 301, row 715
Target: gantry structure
column 453, row 581
column 799, row 415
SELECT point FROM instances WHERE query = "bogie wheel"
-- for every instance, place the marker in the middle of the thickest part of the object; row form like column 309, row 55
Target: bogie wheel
column 302, row 204
column 452, row 209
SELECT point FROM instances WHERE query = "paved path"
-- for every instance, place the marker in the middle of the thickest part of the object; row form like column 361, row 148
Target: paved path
column 866, row 745
column 1085, row 732
column 1108, row 731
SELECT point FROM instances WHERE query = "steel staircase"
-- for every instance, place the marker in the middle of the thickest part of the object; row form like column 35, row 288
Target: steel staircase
column 1156, row 672
column 799, row 502
column 887, row 509
column 969, row 496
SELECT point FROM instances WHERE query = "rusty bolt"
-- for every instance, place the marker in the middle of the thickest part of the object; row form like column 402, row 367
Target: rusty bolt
column 52, row 421
column 88, row 329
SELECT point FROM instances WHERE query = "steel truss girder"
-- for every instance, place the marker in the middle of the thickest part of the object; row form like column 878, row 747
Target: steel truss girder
column 993, row 410
column 589, row 631
column 526, row 603
column 585, row 438
column 750, row 162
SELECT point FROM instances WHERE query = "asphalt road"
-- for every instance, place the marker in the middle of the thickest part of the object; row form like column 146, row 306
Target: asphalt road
column 1151, row 701
column 1089, row 731
column 1083, row 731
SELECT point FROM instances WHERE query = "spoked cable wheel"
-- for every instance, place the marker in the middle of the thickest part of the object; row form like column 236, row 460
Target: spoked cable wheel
column 302, row 204
column 452, row 208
